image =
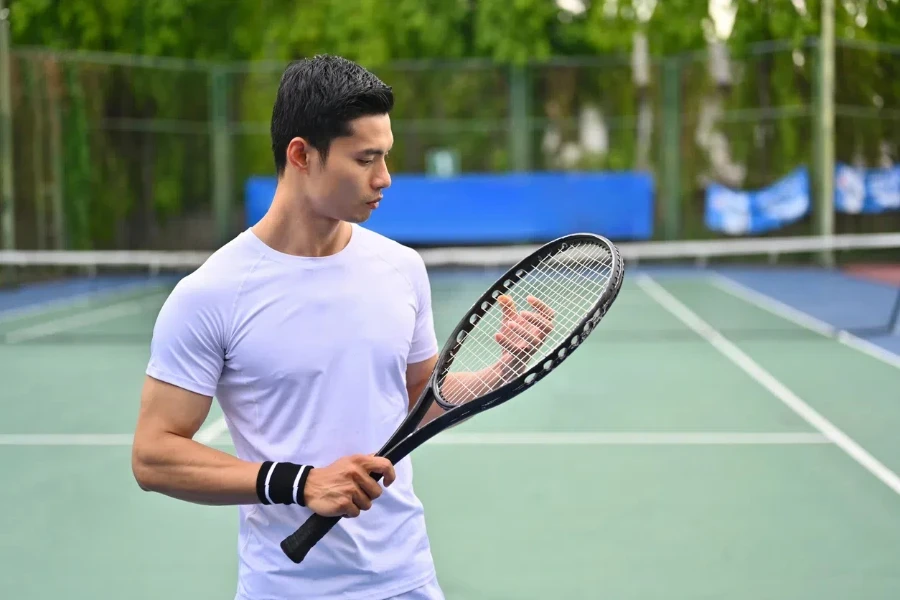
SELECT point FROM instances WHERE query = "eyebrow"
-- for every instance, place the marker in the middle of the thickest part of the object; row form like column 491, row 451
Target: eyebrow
column 373, row 152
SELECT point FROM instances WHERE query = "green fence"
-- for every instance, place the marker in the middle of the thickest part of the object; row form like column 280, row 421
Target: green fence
column 116, row 151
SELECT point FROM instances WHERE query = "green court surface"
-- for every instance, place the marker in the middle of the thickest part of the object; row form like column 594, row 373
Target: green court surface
column 682, row 466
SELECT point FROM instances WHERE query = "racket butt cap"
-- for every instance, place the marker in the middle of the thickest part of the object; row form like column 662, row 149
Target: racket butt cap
column 294, row 549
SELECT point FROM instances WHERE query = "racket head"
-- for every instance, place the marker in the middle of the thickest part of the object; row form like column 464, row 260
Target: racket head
column 577, row 276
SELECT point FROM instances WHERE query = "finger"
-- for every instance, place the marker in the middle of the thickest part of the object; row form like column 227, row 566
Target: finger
column 361, row 500
column 518, row 334
column 540, row 321
column 507, row 306
column 368, row 485
column 378, row 464
column 348, row 508
column 545, row 310
column 389, row 476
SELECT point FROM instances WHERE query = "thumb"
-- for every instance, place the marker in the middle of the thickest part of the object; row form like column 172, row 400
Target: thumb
column 507, row 306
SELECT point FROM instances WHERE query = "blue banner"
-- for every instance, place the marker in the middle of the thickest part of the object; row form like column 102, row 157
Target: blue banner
column 866, row 191
column 504, row 208
column 735, row 212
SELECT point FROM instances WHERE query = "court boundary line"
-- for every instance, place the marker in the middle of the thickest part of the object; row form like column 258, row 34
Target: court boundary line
column 628, row 438
column 72, row 322
column 77, row 320
column 77, row 301
column 537, row 438
column 801, row 318
column 781, row 392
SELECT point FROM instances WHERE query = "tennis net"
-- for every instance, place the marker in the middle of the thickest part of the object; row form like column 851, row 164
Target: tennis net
column 771, row 288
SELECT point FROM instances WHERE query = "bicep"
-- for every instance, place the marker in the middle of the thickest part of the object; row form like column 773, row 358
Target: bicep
column 169, row 409
column 186, row 361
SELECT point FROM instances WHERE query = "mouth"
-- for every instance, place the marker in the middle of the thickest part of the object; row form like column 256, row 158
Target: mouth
column 373, row 203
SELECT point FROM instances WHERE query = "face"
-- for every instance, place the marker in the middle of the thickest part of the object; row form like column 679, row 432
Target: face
column 350, row 183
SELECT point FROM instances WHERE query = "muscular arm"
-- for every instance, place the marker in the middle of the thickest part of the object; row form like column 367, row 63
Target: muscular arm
column 417, row 375
column 461, row 386
column 167, row 460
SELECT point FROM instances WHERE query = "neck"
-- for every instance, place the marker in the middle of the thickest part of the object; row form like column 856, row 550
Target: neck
column 290, row 227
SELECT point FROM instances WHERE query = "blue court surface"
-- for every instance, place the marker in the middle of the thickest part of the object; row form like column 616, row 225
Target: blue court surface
column 712, row 439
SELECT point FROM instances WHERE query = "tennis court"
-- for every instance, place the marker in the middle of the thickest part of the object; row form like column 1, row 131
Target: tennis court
column 709, row 441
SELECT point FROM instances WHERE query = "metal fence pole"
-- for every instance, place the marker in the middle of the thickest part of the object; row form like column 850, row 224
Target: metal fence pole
column 519, row 121
column 825, row 120
column 7, row 201
column 220, row 139
column 670, row 194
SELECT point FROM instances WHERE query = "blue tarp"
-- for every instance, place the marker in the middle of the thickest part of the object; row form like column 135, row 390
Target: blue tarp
column 505, row 208
column 856, row 191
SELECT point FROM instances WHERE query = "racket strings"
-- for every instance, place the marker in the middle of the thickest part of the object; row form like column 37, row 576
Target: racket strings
column 569, row 282
column 574, row 289
column 483, row 385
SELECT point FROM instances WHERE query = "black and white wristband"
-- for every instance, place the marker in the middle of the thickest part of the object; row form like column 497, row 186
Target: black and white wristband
column 281, row 483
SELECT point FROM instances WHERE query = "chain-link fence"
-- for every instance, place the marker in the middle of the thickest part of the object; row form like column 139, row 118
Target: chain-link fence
column 129, row 152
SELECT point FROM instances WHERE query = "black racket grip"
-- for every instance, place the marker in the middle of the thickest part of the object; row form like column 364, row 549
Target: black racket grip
column 298, row 544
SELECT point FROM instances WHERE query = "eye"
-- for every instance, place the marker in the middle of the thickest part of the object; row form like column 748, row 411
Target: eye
column 365, row 162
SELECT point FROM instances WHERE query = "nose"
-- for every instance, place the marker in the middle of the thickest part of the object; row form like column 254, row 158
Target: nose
column 382, row 179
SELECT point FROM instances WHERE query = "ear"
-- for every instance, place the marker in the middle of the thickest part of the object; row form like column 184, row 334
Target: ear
column 298, row 152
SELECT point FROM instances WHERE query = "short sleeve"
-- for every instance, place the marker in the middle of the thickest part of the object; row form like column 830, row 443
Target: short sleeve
column 188, row 347
column 424, row 343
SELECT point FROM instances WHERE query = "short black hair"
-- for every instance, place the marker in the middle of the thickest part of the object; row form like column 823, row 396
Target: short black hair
column 318, row 97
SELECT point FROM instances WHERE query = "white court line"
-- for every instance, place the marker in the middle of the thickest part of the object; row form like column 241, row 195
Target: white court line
column 802, row 319
column 626, row 438
column 768, row 381
column 487, row 439
column 76, row 321
column 208, row 434
column 66, row 439
column 76, row 301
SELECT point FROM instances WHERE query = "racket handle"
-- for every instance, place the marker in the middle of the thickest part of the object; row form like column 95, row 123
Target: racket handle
column 299, row 543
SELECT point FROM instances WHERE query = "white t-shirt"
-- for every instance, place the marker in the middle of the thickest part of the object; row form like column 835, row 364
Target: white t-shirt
column 307, row 358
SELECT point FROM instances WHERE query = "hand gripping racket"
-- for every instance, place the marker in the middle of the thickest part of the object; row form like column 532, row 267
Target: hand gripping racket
column 494, row 353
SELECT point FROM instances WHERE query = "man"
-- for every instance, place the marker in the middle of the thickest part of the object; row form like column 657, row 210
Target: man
column 316, row 337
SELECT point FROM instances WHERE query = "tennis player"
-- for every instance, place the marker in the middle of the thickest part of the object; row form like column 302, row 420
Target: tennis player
column 316, row 336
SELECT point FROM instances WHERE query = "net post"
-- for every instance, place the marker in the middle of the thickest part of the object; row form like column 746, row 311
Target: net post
column 895, row 313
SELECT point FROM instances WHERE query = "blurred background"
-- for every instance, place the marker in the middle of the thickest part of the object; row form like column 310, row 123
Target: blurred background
column 744, row 155
column 138, row 125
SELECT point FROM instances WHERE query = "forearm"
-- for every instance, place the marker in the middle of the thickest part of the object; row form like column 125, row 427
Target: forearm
column 188, row 470
column 460, row 387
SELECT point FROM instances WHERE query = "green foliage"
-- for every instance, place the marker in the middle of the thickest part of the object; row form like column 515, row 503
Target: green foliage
column 78, row 167
column 136, row 136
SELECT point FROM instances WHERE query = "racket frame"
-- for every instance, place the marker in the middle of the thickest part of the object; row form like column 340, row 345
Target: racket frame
column 407, row 438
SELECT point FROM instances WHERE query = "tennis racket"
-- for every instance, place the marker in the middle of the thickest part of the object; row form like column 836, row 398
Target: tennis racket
column 495, row 353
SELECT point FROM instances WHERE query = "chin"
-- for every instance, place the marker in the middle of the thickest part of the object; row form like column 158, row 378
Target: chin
column 357, row 219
